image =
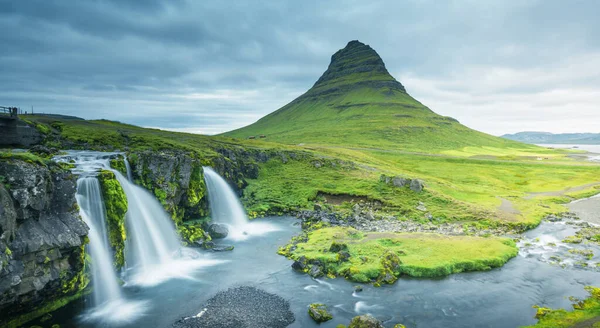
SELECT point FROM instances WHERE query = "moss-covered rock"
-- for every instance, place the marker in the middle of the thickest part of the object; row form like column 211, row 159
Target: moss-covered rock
column 584, row 314
column 119, row 165
column 115, row 202
column 365, row 321
column 318, row 312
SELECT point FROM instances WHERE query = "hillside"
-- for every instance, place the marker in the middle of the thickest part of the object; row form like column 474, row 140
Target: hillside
column 357, row 103
column 551, row 138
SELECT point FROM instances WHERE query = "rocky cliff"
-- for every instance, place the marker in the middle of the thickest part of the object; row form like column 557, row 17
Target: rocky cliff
column 42, row 238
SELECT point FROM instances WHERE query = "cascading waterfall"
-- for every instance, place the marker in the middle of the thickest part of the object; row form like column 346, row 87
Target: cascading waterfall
column 110, row 306
column 152, row 236
column 226, row 208
column 89, row 199
column 153, row 250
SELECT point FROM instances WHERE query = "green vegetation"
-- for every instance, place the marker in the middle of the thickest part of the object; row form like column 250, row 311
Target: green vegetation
column 115, row 202
column 585, row 313
column 119, row 165
column 24, row 156
column 318, row 312
column 376, row 256
column 43, row 309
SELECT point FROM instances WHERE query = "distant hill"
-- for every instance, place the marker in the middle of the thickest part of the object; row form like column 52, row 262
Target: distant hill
column 551, row 138
column 356, row 102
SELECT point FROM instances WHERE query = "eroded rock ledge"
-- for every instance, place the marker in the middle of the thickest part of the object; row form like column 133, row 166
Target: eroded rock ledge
column 41, row 237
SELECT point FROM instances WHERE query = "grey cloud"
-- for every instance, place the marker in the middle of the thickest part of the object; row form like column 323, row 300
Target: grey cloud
column 222, row 66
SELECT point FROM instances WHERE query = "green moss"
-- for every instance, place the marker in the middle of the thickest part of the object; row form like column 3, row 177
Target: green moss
column 41, row 310
column 583, row 311
column 382, row 257
column 192, row 233
column 119, row 165
column 7, row 251
column 318, row 312
column 197, row 188
column 115, row 202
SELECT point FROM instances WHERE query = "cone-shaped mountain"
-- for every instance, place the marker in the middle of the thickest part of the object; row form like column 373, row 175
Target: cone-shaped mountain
column 356, row 102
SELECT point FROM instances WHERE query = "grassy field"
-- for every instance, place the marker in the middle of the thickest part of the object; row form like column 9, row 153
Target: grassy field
column 373, row 255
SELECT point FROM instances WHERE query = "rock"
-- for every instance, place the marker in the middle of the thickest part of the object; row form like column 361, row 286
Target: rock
column 318, row 207
column 416, row 185
column 241, row 307
column 315, row 271
column 336, row 247
column 400, row 182
column 223, row 248
column 217, row 230
column 300, row 264
column 358, row 288
column 343, row 256
column 365, row 321
column 41, row 236
column 421, row 207
column 369, row 216
column 206, row 244
column 356, row 208
column 318, row 312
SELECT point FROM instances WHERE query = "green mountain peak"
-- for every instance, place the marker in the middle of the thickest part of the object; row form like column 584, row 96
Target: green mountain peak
column 357, row 103
column 355, row 64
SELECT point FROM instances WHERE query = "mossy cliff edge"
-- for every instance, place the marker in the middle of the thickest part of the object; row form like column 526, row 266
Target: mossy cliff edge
column 42, row 238
column 115, row 202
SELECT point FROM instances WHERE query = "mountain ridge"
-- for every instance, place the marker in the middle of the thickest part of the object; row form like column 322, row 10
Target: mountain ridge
column 541, row 137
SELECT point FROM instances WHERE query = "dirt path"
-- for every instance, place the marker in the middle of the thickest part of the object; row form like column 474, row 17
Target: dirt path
column 532, row 195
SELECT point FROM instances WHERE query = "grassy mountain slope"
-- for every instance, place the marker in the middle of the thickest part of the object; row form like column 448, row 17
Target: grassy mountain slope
column 356, row 102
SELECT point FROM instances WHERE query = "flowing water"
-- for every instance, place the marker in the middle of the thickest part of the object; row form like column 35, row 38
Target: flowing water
column 225, row 208
column 544, row 273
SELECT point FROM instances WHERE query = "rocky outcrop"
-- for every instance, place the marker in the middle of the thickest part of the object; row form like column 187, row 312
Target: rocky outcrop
column 365, row 321
column 415, row 185
column 41, row 237
column 241, row 307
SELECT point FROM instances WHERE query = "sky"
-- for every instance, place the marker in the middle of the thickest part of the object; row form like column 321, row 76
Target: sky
column 212, row 66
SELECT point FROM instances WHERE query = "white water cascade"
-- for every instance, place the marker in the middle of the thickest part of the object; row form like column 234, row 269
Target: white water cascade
column 109, row 304
column 153, row 251
column 225, row 208
column 89, row 199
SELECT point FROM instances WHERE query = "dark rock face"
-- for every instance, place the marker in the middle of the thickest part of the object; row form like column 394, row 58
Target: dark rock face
column 416, row 185
column 41, row 236
column 217, row 231
column 241, row 307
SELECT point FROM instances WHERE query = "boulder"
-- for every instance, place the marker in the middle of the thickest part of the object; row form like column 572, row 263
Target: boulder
column 300, row 264
column 365, row 321
column 318, row 312
column 400, row 182
column 337, row 247
column 216, row 230
column 315, row 271
column 318, row 207
column 416, row 185
column 358, row 288
column 343, row 256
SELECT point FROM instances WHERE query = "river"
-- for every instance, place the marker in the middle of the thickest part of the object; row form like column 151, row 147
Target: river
column 501, row 297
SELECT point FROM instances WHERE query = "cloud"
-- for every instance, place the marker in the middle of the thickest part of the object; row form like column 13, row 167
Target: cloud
column 497, row 66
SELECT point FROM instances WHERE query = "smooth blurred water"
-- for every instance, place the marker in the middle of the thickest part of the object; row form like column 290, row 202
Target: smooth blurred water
column 225, row 208
column 501, row 297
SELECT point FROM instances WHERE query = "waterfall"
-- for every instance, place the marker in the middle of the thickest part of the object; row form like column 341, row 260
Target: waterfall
column 128, row 167
column 89, row 199
column 226, row 208
column 152, row 238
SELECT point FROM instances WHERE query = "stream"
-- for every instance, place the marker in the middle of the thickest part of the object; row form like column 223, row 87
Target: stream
column 501, row 297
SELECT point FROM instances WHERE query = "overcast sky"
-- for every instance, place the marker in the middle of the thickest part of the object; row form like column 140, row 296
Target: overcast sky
column 209, row 66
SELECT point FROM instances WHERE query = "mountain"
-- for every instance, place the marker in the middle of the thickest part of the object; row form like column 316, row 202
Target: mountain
column 551, row 138
column 356, row 102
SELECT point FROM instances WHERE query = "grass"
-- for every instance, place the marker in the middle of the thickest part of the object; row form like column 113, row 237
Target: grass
column 586, row 313
column 419, row 254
